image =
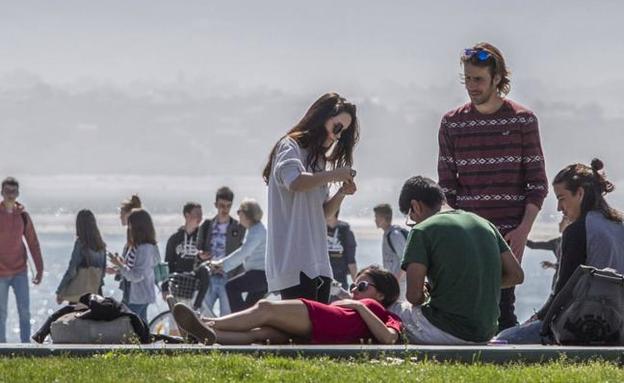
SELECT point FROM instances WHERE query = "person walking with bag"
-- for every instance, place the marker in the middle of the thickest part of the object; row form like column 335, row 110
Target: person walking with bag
column 85, row 273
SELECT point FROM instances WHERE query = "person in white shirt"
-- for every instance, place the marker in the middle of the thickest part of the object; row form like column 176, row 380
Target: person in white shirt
column 316, row 152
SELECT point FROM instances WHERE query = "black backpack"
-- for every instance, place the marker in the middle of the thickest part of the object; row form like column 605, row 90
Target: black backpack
column 589, row 310
column 402, row 230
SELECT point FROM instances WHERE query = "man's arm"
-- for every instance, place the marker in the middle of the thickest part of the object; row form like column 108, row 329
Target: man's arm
column 517, row 238
column 416, row 292
column 170, row 255
column 535, row 184
column 512, row 273
column 33, row 245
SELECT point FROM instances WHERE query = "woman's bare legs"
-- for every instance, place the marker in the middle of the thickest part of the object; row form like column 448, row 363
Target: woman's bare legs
column 257, row 335
column 289, row 317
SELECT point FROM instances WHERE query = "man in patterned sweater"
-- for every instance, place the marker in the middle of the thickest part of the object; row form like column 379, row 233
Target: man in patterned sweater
column 490, row 157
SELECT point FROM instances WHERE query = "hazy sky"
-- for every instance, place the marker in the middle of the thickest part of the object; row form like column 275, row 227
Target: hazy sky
column 185, row 81
column 301, row 45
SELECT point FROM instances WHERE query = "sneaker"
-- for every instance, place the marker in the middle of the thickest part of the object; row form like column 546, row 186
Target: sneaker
column 186, row 319
column 171, row 302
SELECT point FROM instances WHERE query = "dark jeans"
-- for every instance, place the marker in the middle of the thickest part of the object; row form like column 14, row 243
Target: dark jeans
column 253, row 282
column 507, row 317
column 316, row 289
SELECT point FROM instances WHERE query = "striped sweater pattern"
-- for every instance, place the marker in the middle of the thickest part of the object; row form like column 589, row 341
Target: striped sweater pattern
column 493, row 164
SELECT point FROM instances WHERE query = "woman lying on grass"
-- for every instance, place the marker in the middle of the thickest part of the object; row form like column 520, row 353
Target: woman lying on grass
column 347, row 321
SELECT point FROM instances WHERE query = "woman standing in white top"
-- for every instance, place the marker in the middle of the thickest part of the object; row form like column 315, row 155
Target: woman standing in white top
column 313, row 154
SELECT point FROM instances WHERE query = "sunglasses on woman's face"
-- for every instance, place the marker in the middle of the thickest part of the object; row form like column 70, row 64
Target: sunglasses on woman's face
column 338, row 128
column 361, row 286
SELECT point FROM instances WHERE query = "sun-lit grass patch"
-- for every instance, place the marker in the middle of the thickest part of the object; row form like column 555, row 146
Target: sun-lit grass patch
column 136, row 367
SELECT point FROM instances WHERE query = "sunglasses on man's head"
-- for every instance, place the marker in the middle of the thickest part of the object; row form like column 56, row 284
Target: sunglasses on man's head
column 361, row 286
column 479, row 54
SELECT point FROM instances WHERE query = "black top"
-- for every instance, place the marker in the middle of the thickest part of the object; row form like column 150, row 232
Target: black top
column 181, row 253
column 573, row 254
column 346, row 239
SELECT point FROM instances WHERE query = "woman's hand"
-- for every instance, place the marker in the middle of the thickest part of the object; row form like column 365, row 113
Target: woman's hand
column 116, row 260
column 344, row 174
column 348, row 188
column 111, row 270
column 349, row 303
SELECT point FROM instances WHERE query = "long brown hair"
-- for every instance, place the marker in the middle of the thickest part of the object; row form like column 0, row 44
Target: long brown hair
column 140, row 228
column 595, row 186
column 87, row 231
column 310, row 134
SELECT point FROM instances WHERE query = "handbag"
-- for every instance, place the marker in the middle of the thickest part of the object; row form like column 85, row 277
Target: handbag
column 161, row 272
column 86, row 280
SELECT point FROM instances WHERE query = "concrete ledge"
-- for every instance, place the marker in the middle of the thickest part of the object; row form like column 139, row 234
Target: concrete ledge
column 464, row 354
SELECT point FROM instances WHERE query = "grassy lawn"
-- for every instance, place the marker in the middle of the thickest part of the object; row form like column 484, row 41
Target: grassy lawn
column 223, row 368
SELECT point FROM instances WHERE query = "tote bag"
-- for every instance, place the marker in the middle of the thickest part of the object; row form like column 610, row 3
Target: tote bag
column 86, row 280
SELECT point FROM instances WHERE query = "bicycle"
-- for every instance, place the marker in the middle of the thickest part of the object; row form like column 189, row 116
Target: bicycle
column 188, row 288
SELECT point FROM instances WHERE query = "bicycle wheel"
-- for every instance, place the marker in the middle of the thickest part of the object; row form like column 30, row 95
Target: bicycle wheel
column 164, row 324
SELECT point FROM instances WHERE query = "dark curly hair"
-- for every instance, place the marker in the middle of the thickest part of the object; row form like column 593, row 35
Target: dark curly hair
column 595, row 186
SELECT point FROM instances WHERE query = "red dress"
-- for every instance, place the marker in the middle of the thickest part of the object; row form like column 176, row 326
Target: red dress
column 333, row 324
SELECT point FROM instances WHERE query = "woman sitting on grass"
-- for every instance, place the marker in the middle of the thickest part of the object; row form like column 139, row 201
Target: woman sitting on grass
column 346, row 321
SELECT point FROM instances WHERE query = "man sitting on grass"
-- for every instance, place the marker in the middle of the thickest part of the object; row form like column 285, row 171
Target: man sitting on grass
column 466, row 262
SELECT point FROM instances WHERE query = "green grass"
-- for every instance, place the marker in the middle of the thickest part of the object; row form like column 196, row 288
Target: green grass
column 215, row 367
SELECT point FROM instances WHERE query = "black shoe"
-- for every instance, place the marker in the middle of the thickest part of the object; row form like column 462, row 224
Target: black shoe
column 187, row 320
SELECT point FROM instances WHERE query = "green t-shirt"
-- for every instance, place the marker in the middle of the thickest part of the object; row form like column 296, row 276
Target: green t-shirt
column 462, row 253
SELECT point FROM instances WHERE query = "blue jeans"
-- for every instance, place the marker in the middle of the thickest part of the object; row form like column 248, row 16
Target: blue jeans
column 140, row 310
column 528, row 333
column 19, row 283
column 217, row 291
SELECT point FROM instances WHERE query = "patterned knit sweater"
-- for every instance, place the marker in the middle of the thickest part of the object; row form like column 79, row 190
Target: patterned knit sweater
column 492, row 164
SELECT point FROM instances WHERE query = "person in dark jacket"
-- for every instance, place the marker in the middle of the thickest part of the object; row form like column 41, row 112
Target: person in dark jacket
column 219, row 237
column 341, row 245
column 182, row 253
